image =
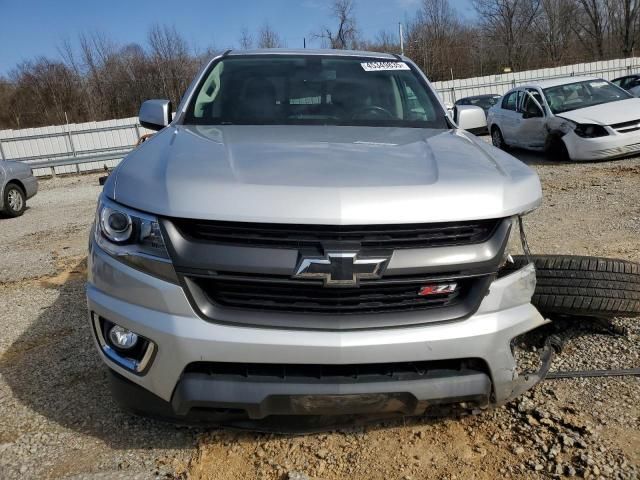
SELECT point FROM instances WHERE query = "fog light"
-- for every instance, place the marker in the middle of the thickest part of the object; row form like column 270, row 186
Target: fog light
column 122, row 338
column 125, row 348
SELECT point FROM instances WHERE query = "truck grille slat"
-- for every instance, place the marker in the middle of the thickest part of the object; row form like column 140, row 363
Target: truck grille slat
column 314, row 298
column 388, row 236
column 333, row 373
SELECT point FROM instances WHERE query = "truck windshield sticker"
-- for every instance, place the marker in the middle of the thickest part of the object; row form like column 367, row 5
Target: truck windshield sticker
column 380, row 66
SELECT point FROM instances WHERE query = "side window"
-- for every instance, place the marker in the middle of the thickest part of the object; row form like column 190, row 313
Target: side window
column 415, row 108
column 618, row 82
column 209, row 92
column 510, row 101
column 530, row 106
column 519, row 96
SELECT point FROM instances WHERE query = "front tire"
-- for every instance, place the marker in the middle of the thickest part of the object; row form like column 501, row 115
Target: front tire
column 15, row 200
column 557, row 150
column 497, row 139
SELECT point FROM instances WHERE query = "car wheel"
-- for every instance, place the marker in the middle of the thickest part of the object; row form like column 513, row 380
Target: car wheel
column 578, row 286
column 497, row 139
column 15, row 200
column 558, row 150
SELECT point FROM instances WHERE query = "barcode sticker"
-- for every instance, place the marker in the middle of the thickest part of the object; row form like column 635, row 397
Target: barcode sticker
column 380, row 66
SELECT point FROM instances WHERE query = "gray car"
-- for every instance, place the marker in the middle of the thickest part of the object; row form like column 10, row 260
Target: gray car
column 17, row 185
column 311, row 234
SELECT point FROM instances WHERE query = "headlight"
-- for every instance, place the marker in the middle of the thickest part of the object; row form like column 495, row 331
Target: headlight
column 117, row 226
column 587, row 130
column 133, row 238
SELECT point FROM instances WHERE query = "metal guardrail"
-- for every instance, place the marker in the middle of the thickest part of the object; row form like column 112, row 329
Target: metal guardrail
column 477, row 85
column 73, row 156
column 79, row 160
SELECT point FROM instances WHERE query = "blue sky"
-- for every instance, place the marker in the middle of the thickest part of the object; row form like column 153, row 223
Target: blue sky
column 31, row 28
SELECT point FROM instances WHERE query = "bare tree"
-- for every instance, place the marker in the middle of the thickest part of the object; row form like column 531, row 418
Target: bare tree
column 95, row 78
column 246, row 39
column 384, row 41
column 592, row 25
column 46, row 91
column 345, row 35
column 625, row 24
column 269, row 38
column 173, row 62
column 432, row 36
column 508, row 24
column 554, row 28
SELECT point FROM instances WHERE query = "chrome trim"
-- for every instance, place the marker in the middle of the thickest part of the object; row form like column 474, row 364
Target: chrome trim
column 423, row 260
column 124, row 362
column 206, row 260
column 307, row 263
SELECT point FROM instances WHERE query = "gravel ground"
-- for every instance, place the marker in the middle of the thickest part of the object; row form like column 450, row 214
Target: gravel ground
column 58, row 420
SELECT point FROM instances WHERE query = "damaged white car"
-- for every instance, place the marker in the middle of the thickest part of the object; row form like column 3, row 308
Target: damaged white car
column 579, row 118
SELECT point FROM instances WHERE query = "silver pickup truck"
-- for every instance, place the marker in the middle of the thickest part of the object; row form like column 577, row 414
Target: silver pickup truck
column 311, row 234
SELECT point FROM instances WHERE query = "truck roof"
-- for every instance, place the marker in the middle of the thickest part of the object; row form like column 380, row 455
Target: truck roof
column 312, row 51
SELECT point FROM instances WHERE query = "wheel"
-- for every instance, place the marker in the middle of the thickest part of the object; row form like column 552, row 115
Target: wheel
column 497, row 139
column 584, row 286
column 557, row 150
column 15, row 200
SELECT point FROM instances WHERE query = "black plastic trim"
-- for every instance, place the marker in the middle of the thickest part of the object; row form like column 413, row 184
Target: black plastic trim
column 262, row 399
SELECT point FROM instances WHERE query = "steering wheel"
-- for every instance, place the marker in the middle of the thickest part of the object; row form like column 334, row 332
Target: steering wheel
column 375, row 109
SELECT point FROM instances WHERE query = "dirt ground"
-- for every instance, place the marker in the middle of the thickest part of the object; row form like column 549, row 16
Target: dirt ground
column 59, row 421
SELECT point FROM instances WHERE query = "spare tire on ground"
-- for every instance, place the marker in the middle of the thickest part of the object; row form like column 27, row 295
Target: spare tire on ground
column 584, row 286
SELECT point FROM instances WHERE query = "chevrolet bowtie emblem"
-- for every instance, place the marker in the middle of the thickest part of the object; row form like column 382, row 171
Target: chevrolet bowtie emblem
column 341, row 269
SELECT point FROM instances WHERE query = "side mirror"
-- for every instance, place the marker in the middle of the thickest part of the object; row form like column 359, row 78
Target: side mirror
column 155, row 114
column 471, row 118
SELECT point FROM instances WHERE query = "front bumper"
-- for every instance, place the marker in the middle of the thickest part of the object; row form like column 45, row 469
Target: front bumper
column 612, row 146
column 161, row 312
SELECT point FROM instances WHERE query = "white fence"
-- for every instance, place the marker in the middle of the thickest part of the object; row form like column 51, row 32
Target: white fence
column 73, row 148
column 451, row 90
column 89, row 146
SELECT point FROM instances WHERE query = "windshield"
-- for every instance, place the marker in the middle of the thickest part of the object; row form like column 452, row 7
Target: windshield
column 314, row 90
column 573, row 96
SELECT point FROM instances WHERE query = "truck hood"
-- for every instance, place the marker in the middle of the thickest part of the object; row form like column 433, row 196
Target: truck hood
column 322, row 175
column 606, row 113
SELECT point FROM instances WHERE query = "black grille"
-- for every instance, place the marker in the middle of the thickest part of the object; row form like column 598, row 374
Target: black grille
column 378, row 236
column 627, row 127
column 354, row 373
column 311, row 297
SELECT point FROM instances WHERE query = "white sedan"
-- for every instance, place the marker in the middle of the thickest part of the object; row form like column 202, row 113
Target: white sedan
column 580, row 118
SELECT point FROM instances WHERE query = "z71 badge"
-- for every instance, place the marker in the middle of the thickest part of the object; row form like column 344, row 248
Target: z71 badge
column 438, row 289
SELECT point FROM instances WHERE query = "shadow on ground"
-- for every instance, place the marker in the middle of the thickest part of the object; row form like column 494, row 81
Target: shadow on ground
column 54, row 369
